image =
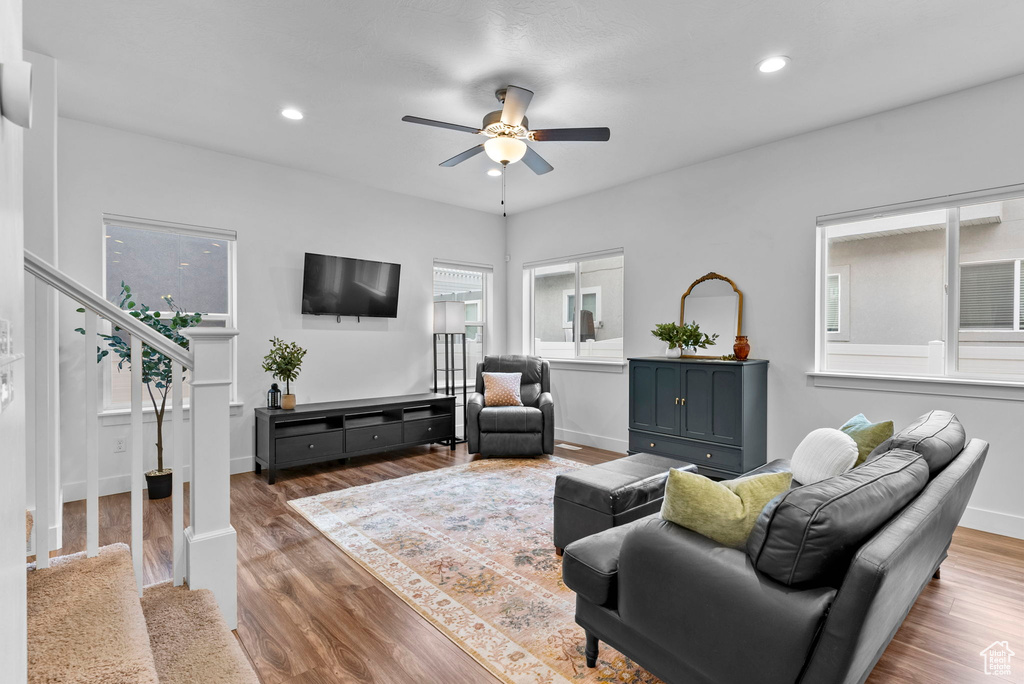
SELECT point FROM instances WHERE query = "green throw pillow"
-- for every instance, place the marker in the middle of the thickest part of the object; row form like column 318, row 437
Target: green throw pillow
column 866, row 434
column 723, row 511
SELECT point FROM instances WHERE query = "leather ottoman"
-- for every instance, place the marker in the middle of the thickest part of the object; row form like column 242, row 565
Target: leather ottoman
column 594, row 499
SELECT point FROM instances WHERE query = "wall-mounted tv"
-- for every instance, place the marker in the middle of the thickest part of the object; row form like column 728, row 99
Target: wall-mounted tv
column 340, row 286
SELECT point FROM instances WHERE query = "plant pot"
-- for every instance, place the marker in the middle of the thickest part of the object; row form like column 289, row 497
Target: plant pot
column 159, row 484
column 742, row 348
column 673, row 352
column 288, row 401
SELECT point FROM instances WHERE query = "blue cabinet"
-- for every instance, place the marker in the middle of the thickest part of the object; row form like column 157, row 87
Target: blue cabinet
column 708, row 412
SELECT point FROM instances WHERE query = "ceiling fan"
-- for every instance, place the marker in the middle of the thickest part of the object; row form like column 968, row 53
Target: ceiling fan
column 507, row 129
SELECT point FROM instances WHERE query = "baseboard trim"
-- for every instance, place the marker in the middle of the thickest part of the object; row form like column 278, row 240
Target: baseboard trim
column 596, row 441
column 118, row 484
column 993, row 521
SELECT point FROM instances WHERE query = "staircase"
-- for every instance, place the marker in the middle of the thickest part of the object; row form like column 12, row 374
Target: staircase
column 87, row 624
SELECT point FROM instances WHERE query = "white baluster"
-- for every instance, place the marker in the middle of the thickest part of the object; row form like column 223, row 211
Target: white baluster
column 137, row 456
column 177, row 467
column 92, row 447
column 41, row 520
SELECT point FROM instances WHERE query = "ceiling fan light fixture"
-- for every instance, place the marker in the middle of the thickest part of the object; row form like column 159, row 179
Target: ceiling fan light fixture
column 494, row 172
column 505, row 150
column 291, row 113
column 772, row 64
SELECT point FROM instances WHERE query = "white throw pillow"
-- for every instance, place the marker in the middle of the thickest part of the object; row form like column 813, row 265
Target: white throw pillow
column 823, row 453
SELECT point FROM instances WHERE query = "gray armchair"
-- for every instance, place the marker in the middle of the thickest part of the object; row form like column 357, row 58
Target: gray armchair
column 527, row 430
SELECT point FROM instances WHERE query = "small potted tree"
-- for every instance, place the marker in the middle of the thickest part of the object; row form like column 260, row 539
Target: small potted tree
column 156, row 369
column 682, row 337
column 284, row 363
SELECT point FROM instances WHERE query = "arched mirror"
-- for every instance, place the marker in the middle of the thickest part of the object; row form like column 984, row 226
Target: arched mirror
column 716, row 304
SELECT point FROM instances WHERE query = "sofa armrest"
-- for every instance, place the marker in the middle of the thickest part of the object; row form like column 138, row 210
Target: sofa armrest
column 474, row 404
column 779, row 465
column 590, row 565
column 546, row 404
column 682, row 590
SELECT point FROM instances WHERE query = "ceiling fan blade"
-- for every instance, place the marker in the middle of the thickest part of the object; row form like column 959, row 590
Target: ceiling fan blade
column 571, row 134
column 463, row 156
column 440, row 124
column 536, row 162
column 516, row 101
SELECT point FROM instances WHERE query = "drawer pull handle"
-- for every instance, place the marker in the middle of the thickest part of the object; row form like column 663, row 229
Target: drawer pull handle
column 310, row 446
column 430, row 429
column 709, row 455
column 677, row 401
column 652, row 444
column 682, row 402
column 375, row 436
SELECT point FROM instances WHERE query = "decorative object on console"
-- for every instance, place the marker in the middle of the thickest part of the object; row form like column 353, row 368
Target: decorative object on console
column 716, row 304
column 284, row 361
column 157, row 370
column 723, row 511
column 502, row 389
column 686, row 337
column 274, row 397
column 741, row 348
column 450, row 331
column 824, row 453
column 866, row 434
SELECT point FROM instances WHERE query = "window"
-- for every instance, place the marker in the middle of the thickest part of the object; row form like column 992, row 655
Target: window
column 194, row 265
column 469, row 284
column 557, row 328
column 925, row 293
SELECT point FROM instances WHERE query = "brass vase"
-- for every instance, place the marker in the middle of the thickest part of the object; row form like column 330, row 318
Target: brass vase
column 741, row 348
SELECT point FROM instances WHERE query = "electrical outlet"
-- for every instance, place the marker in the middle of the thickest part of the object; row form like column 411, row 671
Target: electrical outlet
column 119, row 445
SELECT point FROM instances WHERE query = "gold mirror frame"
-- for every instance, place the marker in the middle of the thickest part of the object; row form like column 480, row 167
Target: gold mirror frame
column 739, row 308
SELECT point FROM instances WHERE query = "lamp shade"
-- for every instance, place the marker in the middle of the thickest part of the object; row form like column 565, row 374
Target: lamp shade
column 449, row 317
column 505, row 150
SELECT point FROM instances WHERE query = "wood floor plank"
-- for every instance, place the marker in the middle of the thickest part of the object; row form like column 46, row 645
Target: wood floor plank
column 309, row 614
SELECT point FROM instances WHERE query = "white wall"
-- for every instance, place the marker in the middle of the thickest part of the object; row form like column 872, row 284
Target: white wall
column 13, row 653
column 751, row 216
column 279, row 214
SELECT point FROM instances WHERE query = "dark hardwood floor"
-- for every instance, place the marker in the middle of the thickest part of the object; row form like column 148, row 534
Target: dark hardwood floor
column 309, row 614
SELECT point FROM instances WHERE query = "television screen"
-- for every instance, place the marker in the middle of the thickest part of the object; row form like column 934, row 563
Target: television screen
column 339, row 286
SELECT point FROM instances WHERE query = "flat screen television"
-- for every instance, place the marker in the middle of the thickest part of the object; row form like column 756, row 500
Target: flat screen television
column 340, row 286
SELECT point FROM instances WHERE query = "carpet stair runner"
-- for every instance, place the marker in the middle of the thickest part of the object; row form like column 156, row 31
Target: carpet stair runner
column 86, row 625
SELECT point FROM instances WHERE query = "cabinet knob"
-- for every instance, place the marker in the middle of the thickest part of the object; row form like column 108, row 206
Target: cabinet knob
column 652, row 444
column 677, row 401
column 310, row 446
column 375, row 436
column 682, row 402
column 709, row 455
column 430, row 429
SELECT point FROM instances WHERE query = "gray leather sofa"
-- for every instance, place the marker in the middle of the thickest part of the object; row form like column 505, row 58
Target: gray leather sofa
column 527, row 430
column 826, row 579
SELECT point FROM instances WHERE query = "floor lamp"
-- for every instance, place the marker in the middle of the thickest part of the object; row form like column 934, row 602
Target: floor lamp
column 450, row 327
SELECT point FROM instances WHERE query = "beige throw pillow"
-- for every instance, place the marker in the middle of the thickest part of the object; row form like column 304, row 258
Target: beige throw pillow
column 824, row 453
column 723, row 511
column 502, row 389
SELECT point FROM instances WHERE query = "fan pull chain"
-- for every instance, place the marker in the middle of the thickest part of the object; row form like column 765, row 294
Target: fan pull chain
column 504, row 212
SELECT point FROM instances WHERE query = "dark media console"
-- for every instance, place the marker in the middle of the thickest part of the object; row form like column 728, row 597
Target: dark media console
column 311, row 433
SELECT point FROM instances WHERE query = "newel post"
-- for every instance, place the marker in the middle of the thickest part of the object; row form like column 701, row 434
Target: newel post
column 210, row 558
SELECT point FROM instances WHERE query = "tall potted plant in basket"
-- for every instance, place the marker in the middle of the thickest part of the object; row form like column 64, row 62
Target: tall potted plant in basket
column 284, row 362
column 157, row 373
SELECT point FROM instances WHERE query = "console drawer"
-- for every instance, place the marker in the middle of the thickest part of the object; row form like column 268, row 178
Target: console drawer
column 699, row 453
column 374, row 437
column 433, row 429
column 303, row 447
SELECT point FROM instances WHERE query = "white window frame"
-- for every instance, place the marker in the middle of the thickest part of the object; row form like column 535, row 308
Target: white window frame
column 611, row 364
column 951, row 381
column 230, row 238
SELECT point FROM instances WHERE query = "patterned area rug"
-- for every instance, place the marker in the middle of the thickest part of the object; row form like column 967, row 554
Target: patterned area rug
column 469, row 547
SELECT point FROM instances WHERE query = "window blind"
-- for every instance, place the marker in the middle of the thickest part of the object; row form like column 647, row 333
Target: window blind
column 832, row 303
column 986, row 296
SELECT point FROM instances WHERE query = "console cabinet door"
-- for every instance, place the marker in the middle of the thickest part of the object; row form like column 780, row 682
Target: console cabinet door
column 711, row 411
column 654, row 394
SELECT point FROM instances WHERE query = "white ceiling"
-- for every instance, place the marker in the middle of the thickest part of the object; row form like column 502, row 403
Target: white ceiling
column 675, row 81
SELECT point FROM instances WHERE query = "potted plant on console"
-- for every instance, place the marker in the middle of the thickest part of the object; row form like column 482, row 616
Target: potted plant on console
column 284, row 362
column 682, row 337
column 156, row 368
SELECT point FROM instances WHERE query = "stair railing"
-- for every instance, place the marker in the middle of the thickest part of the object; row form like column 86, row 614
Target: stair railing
column 203, row 554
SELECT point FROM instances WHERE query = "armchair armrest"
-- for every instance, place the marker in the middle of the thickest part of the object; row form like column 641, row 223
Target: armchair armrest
column 546, row 404
column 678, row 588
column 474, row 404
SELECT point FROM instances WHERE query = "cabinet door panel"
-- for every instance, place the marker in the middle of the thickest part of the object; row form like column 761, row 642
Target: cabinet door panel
column 726, row 413
column 654, row 388
column 696, row 389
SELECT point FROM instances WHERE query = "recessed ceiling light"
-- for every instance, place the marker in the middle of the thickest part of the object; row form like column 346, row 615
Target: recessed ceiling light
column 291, row 113
column 494, row 172
column 772, row 64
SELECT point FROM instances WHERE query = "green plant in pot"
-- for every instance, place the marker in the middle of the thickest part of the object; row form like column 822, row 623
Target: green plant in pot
column 157, row 372
column 682, row 337
column 284, row 362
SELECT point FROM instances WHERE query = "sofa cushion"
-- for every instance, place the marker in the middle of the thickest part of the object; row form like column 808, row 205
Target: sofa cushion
column 620, row 485
column 810, row 533
column 866, row 434
column 937, row 435
column 502, row 389
column 722, row 511
column 823, row 453
column 511, row 419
